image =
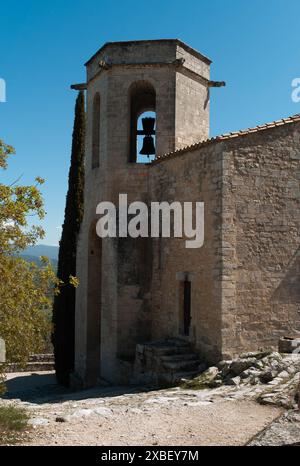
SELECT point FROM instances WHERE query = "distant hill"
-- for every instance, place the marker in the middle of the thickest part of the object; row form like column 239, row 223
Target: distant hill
column 37, row 261
column 33, row 253
column 41, row 250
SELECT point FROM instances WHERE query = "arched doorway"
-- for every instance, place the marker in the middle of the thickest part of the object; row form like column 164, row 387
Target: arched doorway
column 93, row 342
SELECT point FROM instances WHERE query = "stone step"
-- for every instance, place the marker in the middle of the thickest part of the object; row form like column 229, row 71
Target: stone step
column 42, row 357
column 177, row 342
column 165, row 362
column 30, row 367
column 178, row 376
column 178, row 366
column 40, row 366
column 170, row 350
column 179, row 357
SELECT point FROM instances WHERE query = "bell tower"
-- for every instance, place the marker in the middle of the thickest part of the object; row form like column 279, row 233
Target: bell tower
column 163, row 76
column 143, row 98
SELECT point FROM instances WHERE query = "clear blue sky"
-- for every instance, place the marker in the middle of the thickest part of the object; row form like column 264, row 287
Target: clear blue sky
column 254, row 45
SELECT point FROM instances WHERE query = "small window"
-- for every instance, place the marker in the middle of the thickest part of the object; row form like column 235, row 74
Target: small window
column 96, row 132
column 185, row 303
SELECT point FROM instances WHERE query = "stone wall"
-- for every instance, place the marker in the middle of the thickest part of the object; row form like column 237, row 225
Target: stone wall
column 245, row 290
column 192, row 176
column 261, row 224
column 192, row 119
column 245, row 279
column 125, row 286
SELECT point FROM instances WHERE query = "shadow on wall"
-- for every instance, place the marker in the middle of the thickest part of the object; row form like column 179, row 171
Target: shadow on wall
column 288, row 291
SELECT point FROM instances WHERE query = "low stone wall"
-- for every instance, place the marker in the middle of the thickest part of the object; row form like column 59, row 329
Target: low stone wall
column 37, row 362
column 289, row 345
column 269, row 378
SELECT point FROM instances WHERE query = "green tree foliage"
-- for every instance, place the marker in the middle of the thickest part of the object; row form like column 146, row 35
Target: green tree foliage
column 64, row 303
column 25, row 289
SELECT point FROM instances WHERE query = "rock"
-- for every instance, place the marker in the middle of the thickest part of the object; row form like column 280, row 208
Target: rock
column 203, row 380
column 275, row 365
column 252, row 371
column 267, row 376
column 38, row 421
column 256, row 354
column 240, row 365
column 101, row 411
column 294, row 416
column 217, row 382
column 283, row 431
column 81, row 413
column 233, row 381
column 60, row 419
column 274, row 382
column 283, row 375
column 211, row 373
column 224, row 367
column 274, row 356
column 283, row 394
column 223, row 364
column 271, row 378
column 291, row 370
column 225, row 372
column 259, row 365
column 254, row 380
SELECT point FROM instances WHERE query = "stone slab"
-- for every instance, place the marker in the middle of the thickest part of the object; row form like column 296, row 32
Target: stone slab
column 2, row 351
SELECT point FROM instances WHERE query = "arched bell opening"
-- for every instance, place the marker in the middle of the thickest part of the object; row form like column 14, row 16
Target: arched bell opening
column 142, row 122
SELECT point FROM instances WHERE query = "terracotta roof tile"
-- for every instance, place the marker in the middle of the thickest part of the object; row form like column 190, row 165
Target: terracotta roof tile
column 232, row 135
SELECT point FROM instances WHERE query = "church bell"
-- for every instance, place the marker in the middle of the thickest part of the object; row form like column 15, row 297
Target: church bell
column 148, row 146
column 148, row 132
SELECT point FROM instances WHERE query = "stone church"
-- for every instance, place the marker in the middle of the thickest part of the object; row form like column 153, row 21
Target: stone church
column 149, row 308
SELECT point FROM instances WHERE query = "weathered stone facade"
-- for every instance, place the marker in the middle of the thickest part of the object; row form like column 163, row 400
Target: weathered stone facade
column 244, row 281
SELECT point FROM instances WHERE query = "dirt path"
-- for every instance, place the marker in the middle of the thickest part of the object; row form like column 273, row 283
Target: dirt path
column 116, row 416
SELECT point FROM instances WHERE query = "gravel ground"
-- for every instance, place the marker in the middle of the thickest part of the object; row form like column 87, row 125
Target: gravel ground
column 128, row 416
column 283, row 431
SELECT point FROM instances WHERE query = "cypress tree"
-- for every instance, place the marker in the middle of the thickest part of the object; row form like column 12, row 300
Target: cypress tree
column 63, row 337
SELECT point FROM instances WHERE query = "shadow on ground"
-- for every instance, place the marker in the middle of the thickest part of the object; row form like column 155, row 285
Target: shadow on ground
column 40, row 388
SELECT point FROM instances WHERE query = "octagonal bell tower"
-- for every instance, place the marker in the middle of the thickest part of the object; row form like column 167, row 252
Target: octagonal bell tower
column 124, row 80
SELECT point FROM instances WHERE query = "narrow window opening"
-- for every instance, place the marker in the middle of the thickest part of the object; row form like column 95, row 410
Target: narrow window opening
column 96, row 132
column 186, row 307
